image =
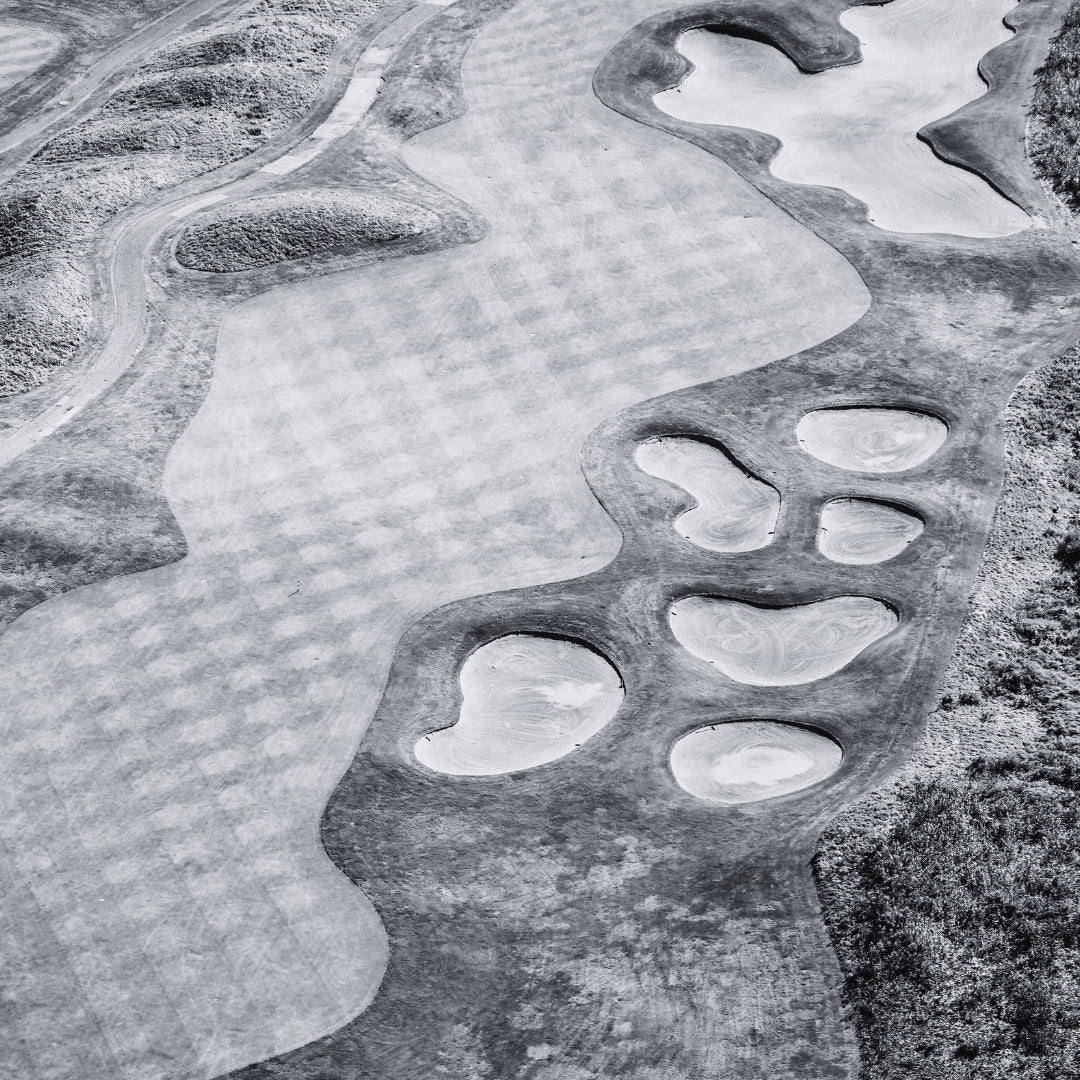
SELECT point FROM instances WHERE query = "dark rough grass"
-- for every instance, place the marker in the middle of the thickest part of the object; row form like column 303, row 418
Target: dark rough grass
column 957, row 924
column 1054, row 132
column 277, row 228
column 191, row 107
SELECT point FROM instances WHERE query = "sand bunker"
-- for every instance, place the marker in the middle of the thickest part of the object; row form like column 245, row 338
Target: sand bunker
column 779, row 646
column 526, row 700
column 871, row 440
column 293, row 225
column 23, row 49
column 749, row 760
column 863, row 531
column 735, row 511
column 855, row 127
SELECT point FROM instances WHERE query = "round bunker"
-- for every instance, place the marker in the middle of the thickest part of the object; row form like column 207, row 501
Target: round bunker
column 735, row 511
column 870, row 439
column 290, row 225
column 749, row 760
column 763, row 646
column 860, row 532
column 526, row 700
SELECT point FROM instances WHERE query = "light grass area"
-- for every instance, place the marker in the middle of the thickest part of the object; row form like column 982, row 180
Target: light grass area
column 209, row 99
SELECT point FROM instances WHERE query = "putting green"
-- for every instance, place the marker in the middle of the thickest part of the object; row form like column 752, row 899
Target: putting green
column 735, row 511
column 750, row 760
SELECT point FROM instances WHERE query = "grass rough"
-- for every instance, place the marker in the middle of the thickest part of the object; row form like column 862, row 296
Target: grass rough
column 953, row 897
column 276, row 228
column 1054, row 121
column 191, row 107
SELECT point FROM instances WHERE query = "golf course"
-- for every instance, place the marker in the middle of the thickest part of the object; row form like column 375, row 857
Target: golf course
column 540, row 541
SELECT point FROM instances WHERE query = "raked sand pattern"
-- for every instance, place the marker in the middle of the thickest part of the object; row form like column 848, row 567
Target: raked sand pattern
column 735, row 511
column 779, row 646
column 527, row 700
column 751, row 760
column 855, row 127
column 872, row 440
column 172, row 737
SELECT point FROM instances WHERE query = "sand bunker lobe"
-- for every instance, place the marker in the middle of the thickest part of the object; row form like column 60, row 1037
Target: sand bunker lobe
column 871, row 440
column 863, row 531
column 735, row 511
column 526, row 700
column 749, row 760
column 764, row 646
column 293, row 225
column 23, row 49
column 855, row 127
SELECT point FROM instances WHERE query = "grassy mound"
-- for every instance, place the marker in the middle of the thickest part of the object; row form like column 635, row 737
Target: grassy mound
column 208, row 99
column 1054, row 128
column 276, row 228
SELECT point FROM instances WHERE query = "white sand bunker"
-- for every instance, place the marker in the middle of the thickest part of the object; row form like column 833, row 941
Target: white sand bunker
column 23, row 49
column 749, row 760
column 855, row 127
column 779, row 646
column 527, row 700
column 735, row 511
column 871, row 440
column 864, row 531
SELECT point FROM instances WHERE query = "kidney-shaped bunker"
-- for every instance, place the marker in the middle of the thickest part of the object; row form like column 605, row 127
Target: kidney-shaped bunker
column 750, row 760
column 871, row 440
column 735, row 511
column 526, row 700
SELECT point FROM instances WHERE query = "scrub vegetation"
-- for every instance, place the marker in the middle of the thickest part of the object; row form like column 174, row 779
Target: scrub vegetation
column 954, row 897
column 191, row 107
column 276, row 228
column 1054, row 130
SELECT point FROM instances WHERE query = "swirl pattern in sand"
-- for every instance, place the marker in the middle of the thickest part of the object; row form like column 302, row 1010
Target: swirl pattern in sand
column 871, row 440
column 526, row 700
column 860, row 532
column 735, row 511
column 779, row 646
column 750, row 760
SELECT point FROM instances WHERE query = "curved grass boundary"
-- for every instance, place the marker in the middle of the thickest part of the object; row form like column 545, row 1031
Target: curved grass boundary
column 500, row 951
column 297, row 224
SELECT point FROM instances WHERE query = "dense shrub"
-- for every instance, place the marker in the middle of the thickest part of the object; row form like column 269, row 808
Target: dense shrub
column 1054, row 135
